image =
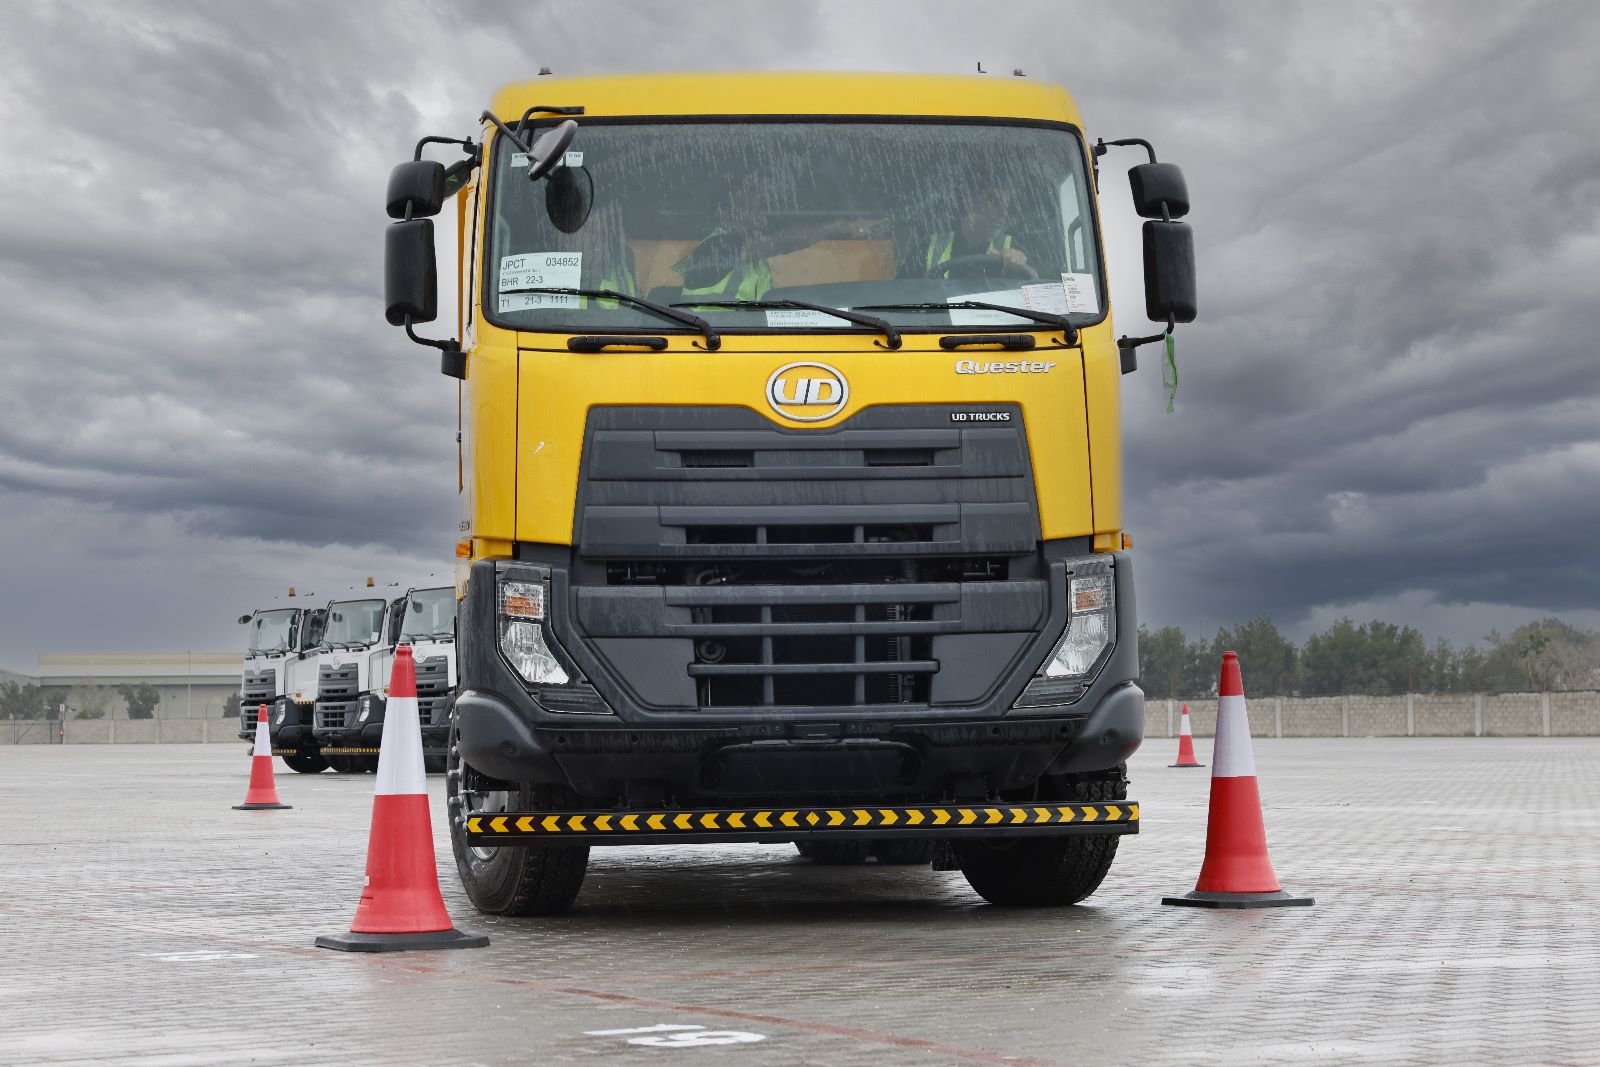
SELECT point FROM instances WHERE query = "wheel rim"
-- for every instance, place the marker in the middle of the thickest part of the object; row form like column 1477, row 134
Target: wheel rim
column 461, row 781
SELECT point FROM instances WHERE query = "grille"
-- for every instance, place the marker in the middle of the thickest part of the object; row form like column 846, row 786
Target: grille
column 433, row 691
column 726, row 563
column 335, row 716
column 337, row 690
column 255, row 689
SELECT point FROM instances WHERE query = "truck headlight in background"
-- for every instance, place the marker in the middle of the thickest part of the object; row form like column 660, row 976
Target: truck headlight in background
column 1091, row 631
column 283, row 713
column 522, row 639
column 366, row 709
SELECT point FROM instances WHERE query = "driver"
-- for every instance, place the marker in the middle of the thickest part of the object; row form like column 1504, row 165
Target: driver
column 980, row 231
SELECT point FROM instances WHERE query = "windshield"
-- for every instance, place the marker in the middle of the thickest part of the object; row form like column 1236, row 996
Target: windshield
column 837, row 214
column 354, row 622
column 431, row 614
column 270, row 630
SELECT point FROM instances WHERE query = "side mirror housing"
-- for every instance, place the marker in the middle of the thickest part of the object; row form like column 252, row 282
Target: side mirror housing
column 550, row 149
column 417, row 187
column 1156, row 185
column 1169, row 290
column 243, row 619
column 410, row 273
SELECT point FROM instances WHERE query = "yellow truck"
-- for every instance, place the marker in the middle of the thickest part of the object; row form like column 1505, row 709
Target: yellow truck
column 790, row 474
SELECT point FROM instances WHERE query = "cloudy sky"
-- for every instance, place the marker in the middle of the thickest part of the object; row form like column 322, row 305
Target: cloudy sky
column 1388, row 408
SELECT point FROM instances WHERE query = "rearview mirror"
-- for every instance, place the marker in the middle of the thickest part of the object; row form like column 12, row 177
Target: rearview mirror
column 1158, row 185
column 568, row 198
column 243, row 619
column 549, row 149
column 1169, row 291
column 416, row 187
column 410, row 273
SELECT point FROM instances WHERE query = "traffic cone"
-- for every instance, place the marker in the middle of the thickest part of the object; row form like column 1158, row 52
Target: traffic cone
column 1186, row 744
column 263, row 791
column 400, row 907
column 1236, row 872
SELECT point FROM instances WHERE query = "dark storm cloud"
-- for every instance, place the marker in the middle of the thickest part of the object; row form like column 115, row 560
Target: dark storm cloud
column 1388, row 401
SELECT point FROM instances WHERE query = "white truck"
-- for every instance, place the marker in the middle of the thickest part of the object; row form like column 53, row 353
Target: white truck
column 345, row 722
column 276, row 669
column 427, row 622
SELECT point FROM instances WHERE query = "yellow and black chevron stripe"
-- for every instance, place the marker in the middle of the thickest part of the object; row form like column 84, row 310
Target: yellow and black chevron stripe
column 349, row 751
column 921, row 821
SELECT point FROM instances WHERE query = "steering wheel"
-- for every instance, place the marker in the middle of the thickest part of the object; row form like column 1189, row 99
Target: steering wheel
column 982, row 261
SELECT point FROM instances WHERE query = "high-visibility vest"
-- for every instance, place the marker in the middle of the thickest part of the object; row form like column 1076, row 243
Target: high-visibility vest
column 619, row 280
column 748, row 282
column 940, row 245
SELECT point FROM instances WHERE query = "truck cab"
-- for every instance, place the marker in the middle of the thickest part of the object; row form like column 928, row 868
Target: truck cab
column 427, row 622
column 790, row 473
column 279, row 639
column 349, row 693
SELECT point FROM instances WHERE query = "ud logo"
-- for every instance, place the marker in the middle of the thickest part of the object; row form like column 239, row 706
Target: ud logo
column 807, row 392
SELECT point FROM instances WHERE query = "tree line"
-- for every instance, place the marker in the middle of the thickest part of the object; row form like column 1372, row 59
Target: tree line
column 27, row 701
column 1372, row 658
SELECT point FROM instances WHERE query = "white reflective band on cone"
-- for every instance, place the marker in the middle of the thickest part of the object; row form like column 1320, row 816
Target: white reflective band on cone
column 1232, row 757
column 263, row 744
column 400, row 767
column 1183, row 728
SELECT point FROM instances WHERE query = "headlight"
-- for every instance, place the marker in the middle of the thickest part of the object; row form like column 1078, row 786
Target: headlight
column 1091, row 631
column 522, row 639
column 283, row 713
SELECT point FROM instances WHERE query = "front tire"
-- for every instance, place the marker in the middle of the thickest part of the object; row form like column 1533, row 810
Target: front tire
column 509, row 880
column 1044, row 872
column 307, row 762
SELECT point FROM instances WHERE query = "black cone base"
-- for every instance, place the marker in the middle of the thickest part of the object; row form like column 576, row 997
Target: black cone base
column 259, row 807
column 1186, row 765
column 437, row 939
column 1280, row 899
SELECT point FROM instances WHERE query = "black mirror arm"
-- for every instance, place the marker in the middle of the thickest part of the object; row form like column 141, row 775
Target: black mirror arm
column 1126, row 346
column 544, row 109
column 467, row 145
column 452, row 361
column 514, row 135
column 1102, row 145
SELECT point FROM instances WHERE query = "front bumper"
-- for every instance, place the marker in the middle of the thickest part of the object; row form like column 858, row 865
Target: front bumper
column 917, row 752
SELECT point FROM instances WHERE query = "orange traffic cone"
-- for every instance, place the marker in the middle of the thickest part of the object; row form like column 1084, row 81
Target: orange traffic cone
column 263, row 791
column 1236, row 872
column 1186, row 744
column 400, row 907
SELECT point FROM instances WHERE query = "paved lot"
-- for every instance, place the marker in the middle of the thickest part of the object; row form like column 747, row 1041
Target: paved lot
column 142, row 920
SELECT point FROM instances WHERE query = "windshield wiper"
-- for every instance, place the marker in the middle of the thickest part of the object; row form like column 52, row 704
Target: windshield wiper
column 870, row 321
column 713, row 341
column 979, row 305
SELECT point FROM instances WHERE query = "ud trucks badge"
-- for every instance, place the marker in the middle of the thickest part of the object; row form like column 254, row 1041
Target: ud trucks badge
column 807, row 392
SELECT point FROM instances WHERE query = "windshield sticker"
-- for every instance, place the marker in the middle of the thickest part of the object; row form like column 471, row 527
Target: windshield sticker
column 1080, row 293
column 1047, row 297
column 572, row 159
column 519, row 159
column 801, row 319
column 539, row 270
column 982, row 316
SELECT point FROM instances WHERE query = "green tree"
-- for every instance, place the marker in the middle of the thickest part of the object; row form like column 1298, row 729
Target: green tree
column 20, row 701
column 230, row 705
column 89, row 701
column 142, row 700
column 1269, row 661
column 1172, row 666
column 1377, row 657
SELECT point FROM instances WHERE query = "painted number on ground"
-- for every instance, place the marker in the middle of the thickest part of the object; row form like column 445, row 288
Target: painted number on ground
column 679, row 1035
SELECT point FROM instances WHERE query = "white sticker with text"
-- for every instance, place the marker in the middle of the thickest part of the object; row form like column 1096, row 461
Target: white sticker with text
column 801, row 319
column 1080, row 293
column 539, row 270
